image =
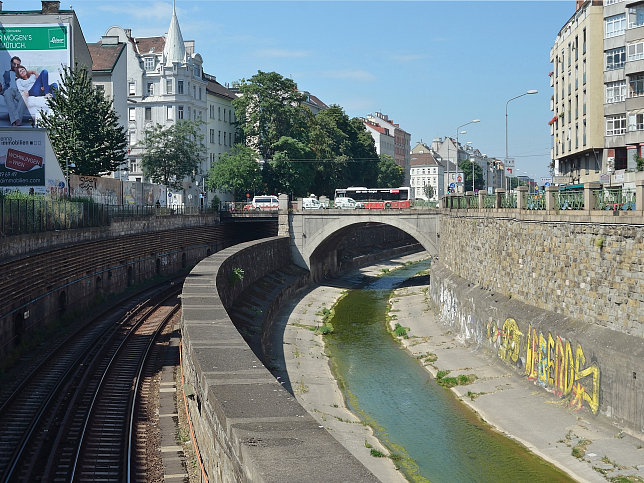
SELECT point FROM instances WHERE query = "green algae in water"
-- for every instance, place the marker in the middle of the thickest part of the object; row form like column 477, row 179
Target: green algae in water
column 437, row 437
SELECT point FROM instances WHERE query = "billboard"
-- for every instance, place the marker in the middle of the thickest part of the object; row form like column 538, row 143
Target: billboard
column 31, row 59
column 22, row 158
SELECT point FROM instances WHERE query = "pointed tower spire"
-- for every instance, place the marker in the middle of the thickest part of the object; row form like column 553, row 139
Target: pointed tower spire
column 174, row 50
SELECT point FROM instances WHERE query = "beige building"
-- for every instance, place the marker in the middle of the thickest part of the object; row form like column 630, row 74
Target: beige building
column 598, row 94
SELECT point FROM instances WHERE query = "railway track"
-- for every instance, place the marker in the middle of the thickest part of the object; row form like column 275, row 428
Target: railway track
column 73, row 417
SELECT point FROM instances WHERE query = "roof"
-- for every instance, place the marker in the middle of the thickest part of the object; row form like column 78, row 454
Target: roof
column 315, row 100
column 105, row 56
column 174, row 49
column 423, row 159
column 144, row 45
column 216, row 88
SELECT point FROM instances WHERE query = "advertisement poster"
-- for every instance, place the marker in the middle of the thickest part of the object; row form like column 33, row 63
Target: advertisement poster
column 22, row 159
column 31, row 59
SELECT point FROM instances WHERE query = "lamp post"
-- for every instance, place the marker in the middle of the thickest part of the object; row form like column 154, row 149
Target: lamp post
column 457, row 133
column 531, row 91
column 67, row 166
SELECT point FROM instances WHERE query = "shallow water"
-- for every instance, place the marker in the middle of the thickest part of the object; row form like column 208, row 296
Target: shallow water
column 438, row 438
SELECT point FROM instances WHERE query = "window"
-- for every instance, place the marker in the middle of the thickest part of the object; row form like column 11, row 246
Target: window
column 179, row 111
column 100, row 87
column 132, row 88
column 219, row 110
column 194, row 91
column 615, row 58
column 616, row 125
column 196, row 70
column 635, row 122
column 168, row 86
column 614, row 26
column 230, row 115
column 131, row 114
column 635, row 51
column 219, row 137
column 149, row 63
column 636, row 16
column 612, row 2
column 170, row 113
column 180, row 87
column 224, row 115
column 150, row 88
column 636, row 85
column 212, row 111
column 200, row 93
column 148, row 113
column 132, row 137
column 615, row 91
column 212, row 136
column 224, row 139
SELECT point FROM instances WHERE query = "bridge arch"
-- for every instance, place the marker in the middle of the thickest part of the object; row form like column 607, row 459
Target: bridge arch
column 312, row 232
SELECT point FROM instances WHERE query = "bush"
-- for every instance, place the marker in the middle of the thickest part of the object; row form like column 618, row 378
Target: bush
column 400, row 331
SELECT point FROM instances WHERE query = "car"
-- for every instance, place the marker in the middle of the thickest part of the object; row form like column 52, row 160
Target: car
column 263, row 203
column 345, row 203
column 311, row 204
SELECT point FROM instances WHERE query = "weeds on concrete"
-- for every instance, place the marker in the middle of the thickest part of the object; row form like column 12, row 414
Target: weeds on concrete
column 400, row 331
column 460, row 380
column 579, row 450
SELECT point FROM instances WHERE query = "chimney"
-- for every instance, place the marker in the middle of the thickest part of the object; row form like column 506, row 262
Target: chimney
column 50, row 6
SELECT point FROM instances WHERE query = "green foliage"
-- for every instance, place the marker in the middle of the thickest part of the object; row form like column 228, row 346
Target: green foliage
column 325, row 329
column 468, row 167
column 376, row 454
column 428, row 189
column 389, row 173
column 290, row 170
column 236, row 275
column 400, row 331
column 237, row 171
column 268, row 109
column 83, row 126
column 640, row 163
column 579, row 450
column 462, row 379
column 173, row 153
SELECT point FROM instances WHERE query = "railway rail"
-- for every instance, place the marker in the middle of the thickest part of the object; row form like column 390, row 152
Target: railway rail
column 72, row 417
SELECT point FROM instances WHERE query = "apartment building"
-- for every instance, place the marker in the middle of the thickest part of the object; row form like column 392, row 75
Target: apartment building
column 598, row 93
column 165, row 83
column 425, row 171
column 383, row 138
column 402, row 141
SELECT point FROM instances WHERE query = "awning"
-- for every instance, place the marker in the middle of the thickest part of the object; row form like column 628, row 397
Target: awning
column 552, row 121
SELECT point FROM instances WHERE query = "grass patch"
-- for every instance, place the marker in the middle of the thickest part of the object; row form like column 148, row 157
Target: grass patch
column 429, row 358
column 579, row 450
column 376, row 454
column 474, row 395
column 461, row 380
column 626, row 479
column 400, row 331
column 325, row 329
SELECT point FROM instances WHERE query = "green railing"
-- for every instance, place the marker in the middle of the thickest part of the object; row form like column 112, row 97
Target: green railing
column 509, row 200
column 534, row 201
column 614, row 199
column 474, row 201
column 461, row 202
column 569, row 200
column 489, row 201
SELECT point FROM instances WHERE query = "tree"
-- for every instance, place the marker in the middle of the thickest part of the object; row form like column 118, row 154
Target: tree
column 345, row 151
column 390, row 174
column 429, row 191
column 468, row 167
column 290, row 170
column 83, row 126
column 268, row 109
column 237, row 171
column 173, row 153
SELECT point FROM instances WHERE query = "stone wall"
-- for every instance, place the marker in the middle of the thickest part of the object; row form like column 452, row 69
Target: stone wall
column 21, row 245
column 248, row 427
column 561, row 303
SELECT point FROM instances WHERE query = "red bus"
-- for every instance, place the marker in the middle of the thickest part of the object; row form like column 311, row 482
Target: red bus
column 377, row 198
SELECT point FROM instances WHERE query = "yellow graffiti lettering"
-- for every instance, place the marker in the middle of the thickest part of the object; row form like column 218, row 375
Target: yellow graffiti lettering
column 569, row 370
column 593, row 401
column 560, row 367
column 511, row 340
column 551, row 364
column 543, row 359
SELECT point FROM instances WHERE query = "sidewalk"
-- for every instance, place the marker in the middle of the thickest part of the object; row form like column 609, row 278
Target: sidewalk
column 512, row 404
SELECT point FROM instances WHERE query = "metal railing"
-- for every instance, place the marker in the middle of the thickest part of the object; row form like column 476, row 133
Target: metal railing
column 569, row 200
column 34, row 215
column 509, row 200
column 534, row 201
column 614, row 199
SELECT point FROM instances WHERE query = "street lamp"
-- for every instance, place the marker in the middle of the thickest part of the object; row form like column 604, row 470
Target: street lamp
column 67, row 166
column 457, row 133
column 532, row 91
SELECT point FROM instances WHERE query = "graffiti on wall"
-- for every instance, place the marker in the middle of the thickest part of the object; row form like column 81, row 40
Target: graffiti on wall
column 549, row 360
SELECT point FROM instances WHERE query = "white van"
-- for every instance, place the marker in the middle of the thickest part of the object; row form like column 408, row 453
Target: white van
column 311, row 204
column 345, row 203
column 263, row 203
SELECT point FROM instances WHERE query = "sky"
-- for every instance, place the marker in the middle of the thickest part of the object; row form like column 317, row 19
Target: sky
column 431, row 66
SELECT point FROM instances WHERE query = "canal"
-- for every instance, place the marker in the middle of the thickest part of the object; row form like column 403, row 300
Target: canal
column 432, row 435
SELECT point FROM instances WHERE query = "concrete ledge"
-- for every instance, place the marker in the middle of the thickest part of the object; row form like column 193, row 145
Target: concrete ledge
column 248, row 427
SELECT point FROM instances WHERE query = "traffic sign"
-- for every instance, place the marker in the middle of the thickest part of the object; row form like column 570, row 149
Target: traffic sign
column 452, row 185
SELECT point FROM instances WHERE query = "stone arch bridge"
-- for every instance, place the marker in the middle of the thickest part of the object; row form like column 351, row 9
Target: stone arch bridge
column 314, row 234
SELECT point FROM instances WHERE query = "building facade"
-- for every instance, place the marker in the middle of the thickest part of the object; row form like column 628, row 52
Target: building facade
column 402, row 141
column 425, row 171
column 598, row 99
column 383, row 138
column 165, row 84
